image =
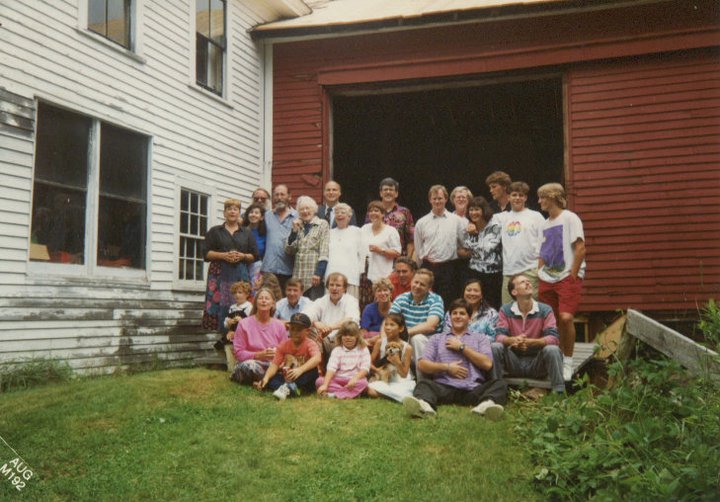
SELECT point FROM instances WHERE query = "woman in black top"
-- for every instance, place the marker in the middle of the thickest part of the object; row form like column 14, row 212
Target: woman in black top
column 229, row 248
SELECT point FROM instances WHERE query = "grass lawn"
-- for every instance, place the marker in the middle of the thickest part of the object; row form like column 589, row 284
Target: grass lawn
column 192, row 435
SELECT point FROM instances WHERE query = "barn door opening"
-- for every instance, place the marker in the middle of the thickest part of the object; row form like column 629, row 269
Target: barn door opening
column 447, row 133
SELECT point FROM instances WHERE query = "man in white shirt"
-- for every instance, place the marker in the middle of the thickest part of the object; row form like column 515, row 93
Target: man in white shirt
column 561, row 266
column 438, row 235
column 520, row 238
column 329, row 312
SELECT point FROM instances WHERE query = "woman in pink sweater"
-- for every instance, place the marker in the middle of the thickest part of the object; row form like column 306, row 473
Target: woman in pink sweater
column 255, row 339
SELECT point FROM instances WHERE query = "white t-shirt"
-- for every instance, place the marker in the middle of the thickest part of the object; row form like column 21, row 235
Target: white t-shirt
column 346, row 253
column 556, row 249
column 378, row 265
column 325, row 311
column 520, row 239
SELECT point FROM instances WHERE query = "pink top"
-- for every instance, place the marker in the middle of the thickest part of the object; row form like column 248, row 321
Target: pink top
column 347, row 363
column 253, row 336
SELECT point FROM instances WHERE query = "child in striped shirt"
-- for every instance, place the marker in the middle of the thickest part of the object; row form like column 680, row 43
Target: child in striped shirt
column 348, row 366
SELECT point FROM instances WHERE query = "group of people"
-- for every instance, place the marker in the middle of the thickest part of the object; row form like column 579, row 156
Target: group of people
column 433, row 312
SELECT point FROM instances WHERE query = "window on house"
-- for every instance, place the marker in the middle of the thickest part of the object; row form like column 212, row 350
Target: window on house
column 210, row 44
column 193, row 226
column 88, row 208
column 111, row 19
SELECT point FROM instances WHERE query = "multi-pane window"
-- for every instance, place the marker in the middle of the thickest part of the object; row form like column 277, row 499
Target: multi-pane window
column 88, row 208
column 112, row 20
column 210, row 44
column 193, row 226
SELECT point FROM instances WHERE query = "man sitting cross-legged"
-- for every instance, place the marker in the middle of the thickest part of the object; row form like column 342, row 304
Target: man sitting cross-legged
column 527, row 343
column 460, row 363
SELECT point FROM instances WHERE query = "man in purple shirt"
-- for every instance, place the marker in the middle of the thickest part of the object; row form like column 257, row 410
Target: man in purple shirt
column 460, row 363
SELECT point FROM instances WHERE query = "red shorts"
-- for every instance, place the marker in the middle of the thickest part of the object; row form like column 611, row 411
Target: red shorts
column 562, row 296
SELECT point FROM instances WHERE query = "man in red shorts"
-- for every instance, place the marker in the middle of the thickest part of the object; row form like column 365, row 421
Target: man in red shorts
column 561, row 266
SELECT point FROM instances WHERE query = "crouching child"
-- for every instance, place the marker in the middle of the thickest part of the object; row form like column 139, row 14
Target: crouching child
column 295, row 366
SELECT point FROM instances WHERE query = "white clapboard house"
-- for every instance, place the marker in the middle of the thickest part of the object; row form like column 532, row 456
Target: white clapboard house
column 124, row 125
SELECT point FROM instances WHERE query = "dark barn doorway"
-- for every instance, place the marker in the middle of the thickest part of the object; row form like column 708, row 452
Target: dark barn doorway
column 454, row 135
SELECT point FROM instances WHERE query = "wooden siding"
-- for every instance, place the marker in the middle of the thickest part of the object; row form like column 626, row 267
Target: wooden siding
column 307, row 72
column 102, row 323
column 644, row 176
column 643, row 149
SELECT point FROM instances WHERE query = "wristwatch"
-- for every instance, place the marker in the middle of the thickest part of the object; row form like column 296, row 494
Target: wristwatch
column 462, row 347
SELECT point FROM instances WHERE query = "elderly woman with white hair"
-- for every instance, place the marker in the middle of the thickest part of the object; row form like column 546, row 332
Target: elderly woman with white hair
column 309, row 241
column 346, row 252
column 459, row 198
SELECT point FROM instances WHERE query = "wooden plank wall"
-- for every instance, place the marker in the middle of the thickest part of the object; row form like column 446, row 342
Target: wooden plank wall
column 644, row 176
column 100, row 323
column 307, row 71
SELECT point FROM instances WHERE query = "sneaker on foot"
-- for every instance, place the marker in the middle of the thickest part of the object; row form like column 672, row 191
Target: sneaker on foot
column 418, row 408
column 282, row 392
column 567, row 371
column 489, row 409
column 294, row 390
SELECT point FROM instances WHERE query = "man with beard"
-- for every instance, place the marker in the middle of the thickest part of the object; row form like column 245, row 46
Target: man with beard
column 279, row 223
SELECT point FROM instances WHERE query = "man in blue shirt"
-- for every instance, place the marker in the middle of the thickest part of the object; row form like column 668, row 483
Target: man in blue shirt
column 460, row 363
column 294, row 302
column 422, row 309
column 279, row 224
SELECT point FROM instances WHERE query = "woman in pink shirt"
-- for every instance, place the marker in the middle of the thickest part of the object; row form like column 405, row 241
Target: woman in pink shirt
column 255, row 339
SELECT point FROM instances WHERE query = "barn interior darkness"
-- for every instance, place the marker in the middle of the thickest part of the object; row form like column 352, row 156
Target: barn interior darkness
column 455, row 135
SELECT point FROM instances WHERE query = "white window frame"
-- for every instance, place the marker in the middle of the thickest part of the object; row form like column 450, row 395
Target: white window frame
column 136, row 49
column 90, row 269
column 226, row 95
column 208, row 190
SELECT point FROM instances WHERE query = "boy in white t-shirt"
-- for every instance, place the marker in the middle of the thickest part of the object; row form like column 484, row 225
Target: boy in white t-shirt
column 520, row 238
column 561, row 265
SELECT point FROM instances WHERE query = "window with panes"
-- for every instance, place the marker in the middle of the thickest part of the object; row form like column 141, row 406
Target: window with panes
column 193, row 226
column 210, row 44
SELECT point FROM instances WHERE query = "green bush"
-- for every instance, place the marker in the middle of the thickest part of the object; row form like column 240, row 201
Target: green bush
column 710, row 323
column 33, row 372
column 655, row 436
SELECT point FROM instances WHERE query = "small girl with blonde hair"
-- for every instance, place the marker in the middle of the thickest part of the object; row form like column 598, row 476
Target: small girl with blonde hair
column 348, row 366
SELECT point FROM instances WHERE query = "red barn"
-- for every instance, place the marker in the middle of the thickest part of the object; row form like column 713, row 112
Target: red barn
column 618, row 100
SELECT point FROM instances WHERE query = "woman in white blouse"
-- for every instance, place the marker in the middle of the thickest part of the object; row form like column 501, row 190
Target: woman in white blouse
column 381, row 243
column 347, row 254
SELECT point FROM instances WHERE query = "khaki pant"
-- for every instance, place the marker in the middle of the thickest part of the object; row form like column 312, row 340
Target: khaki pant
column 531, row 275
column 230, row 356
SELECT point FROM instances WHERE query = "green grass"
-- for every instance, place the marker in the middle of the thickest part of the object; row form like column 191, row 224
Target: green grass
column 192, row 435
column 32, row 373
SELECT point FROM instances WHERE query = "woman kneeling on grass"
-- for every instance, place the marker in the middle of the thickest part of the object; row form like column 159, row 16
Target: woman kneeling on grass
column 349, row 365
column 256, row 338
column 299, row 358
column 396, row 366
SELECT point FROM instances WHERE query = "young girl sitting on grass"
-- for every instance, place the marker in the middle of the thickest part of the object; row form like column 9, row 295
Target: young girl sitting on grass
column 349, row 365
column 401, row 384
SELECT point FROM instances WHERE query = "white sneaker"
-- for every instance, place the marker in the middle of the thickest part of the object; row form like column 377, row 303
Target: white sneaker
column 418, row 408
column 489, row 409
column 282, row 392
column 567, row 370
